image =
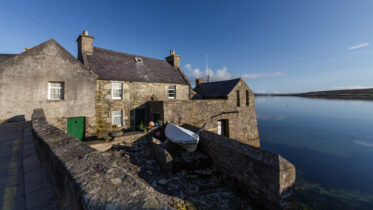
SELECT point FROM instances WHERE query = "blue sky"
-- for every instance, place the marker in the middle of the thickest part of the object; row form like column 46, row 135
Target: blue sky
column 276, row 46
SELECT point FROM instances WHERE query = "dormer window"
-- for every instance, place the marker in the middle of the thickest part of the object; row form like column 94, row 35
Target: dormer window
column 138, row 60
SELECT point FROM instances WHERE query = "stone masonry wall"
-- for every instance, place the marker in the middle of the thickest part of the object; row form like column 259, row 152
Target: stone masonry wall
column 267, row 178
column 24, row 85
column 84, row 178
column 198, row 112
column 247, row 125
column 135, row 96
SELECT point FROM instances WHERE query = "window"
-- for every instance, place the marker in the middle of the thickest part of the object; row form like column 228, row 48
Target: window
column 238, row 98
column 247, row 98
column 55, row 90
column 116, row 117
column 138, row 60
column 116, row 90
column 172, row 91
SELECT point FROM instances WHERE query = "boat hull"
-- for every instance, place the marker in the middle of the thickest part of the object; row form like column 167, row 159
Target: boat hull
column 183, row 137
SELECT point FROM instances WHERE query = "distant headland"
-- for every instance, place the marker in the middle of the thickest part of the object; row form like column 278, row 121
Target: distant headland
column 362, row 94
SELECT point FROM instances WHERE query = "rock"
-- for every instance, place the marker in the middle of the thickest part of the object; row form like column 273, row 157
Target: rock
column 149, row 162
column 193, row 176
column 116, row 133
column 193, row 189
column 116, row 181
column 115, row 165
column 154, row 184
column 162, row 181
column 111, row 207
column 162, row 156
column 152, row 203
column 108, row 138
column 149, row 172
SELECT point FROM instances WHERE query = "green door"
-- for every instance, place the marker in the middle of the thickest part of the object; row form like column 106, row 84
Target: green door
column 139, row 117
column 75, row 127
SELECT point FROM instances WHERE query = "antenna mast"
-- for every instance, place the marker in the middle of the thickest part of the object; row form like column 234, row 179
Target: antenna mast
column 207, row 72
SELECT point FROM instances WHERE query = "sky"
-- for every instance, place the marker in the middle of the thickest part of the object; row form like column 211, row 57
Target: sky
column 275, row 46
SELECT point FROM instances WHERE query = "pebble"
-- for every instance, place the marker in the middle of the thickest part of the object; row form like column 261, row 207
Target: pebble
column 193, row 176
column 149, row 162
column 116, row 181
column 162, row 181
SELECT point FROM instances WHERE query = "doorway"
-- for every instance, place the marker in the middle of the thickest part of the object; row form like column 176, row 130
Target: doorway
column 75, row 127
column 223, row 127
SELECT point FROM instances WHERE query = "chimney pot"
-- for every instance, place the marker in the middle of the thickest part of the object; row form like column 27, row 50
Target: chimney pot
column 173, row 59
column 199, row 81
column 85, row 45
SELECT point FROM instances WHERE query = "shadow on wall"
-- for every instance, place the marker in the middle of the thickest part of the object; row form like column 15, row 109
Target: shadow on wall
column 222, row 173
column 192, row 176
column 16, row 118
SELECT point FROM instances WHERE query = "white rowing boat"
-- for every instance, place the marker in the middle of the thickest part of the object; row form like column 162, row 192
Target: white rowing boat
column 183, row 137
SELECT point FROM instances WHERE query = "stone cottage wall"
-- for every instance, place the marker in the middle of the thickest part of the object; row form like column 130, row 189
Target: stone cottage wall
column 198, row 112
column 247, row 112
column 135, row 96
column 24, row 86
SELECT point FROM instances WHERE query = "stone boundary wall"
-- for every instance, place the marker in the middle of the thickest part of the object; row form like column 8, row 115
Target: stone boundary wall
column 266, row 178
column 84, row 178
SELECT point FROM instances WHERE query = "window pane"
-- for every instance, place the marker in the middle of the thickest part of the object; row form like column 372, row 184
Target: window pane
column 117, row 117
column 172, row 91
column 117, row 90
column 56, row 91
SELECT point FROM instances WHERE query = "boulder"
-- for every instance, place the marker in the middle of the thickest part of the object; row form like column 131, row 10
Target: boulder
column 162, row 156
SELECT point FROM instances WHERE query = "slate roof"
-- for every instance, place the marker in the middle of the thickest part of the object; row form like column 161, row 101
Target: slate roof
column 219, row 89
column 6, row 56
column 112, row 65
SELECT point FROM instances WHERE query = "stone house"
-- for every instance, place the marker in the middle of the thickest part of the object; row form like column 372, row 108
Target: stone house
column 227, row 108
column 105, row 90
column 126, row 82
column 48, row 77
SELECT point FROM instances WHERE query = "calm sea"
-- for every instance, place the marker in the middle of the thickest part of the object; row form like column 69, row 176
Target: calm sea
column 330, row 142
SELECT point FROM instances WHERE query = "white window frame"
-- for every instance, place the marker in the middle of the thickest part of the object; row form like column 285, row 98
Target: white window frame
column 117, row 114
column 116, row 86
column 61, row 89
column 171, row 88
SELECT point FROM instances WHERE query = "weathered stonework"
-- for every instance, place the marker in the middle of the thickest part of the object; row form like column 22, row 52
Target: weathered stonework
column 135, row 95
column 241, row 120
column 24, row 85
column 266, row 178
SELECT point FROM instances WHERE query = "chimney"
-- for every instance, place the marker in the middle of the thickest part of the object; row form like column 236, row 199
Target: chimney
column 85, row 45
column 173, row 59
column 199, row 81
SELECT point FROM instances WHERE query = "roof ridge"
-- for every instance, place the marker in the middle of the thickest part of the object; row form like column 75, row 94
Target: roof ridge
column 221, row 81
column 100, row 48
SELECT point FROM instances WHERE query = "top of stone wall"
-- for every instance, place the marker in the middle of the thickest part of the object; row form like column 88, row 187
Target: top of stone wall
column 103, row 183
column 271, row 159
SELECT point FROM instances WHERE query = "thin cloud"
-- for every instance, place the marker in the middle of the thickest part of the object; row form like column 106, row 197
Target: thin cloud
column 224, row 74
column 358, row 46
column 261, row 75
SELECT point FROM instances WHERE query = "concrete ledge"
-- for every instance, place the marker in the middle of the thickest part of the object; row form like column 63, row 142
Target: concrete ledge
column 83, row 177
column 266, row 178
